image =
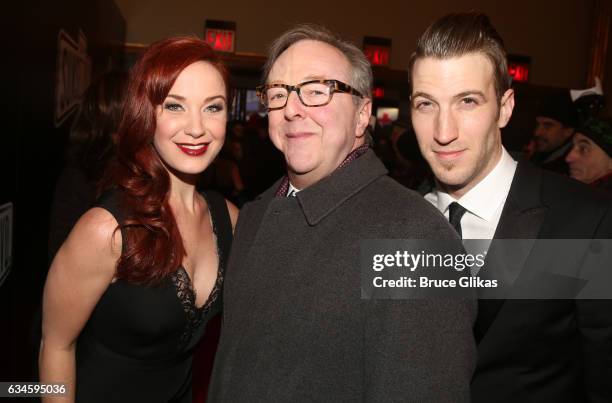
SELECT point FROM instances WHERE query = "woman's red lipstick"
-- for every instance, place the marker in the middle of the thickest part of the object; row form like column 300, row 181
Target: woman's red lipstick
column 193, row 150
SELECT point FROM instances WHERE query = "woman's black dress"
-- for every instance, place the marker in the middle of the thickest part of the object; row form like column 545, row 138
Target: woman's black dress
column 139, row 341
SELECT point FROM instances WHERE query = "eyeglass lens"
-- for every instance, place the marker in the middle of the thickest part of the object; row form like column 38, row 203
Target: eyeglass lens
column 312, row 94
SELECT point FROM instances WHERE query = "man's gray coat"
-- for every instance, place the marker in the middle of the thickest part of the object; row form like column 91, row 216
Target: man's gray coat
column 295, row 327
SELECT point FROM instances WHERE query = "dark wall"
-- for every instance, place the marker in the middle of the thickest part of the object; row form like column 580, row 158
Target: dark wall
column 556, row 34
column 33, row 146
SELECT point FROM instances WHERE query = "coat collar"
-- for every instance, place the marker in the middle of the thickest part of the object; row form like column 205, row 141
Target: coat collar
column 526, row 186
column 524, row 210
column 324, row 197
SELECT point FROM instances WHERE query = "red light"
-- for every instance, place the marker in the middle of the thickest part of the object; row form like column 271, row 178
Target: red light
column 221, row 40
column 519, row 72
column 378, row 92
column 385, row 119
column 377, row 55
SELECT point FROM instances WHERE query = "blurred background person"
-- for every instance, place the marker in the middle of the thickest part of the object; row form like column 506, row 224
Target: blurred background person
column 411, row 170
column 555, row 123
column 590, row 159
column 224, row 176
column 248, row 164
column 589, row 102
column 261, row 164
column 130, row 291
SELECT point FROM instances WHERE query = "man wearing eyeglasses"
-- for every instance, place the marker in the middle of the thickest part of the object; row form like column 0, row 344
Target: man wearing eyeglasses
column 295, row 325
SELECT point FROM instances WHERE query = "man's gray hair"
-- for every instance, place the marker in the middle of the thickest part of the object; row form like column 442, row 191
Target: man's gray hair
column 361, row 78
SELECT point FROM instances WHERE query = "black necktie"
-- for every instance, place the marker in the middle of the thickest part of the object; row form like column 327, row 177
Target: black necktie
column 455, row 212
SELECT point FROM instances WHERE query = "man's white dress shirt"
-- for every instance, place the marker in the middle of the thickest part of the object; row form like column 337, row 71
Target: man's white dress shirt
column 484, row 202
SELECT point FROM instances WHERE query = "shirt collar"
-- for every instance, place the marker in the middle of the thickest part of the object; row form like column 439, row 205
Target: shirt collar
column 292, row 189
column 283, row 186
column 484, row 199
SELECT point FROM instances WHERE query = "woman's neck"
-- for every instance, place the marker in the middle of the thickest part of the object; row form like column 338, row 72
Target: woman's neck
column 183, row 194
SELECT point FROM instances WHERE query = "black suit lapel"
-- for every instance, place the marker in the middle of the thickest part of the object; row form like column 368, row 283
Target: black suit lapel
column 521, row 218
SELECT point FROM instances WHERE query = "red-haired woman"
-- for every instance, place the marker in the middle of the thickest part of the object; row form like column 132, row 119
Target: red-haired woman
column 129, row 292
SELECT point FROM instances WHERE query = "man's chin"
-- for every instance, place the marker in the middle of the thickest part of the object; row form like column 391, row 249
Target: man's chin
column 577, row 176
column 298, row 169
column 542, row 147
column 449, row 174
column 451, row 178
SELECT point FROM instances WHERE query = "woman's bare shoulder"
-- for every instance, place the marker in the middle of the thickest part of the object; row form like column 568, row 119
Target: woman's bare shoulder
column 95, row 241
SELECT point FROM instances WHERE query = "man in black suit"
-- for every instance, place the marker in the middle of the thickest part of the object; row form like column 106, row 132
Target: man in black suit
column 529, row 350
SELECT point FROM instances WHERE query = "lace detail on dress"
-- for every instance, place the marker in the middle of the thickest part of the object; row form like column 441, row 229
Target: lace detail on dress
column 187, row 294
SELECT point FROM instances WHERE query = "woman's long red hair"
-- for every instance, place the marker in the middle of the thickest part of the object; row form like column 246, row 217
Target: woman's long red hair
column 152, row 245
